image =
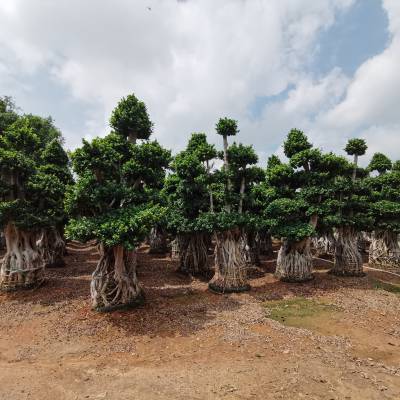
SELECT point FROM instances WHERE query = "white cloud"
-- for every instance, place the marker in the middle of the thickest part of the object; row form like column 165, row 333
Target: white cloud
column 194, row 61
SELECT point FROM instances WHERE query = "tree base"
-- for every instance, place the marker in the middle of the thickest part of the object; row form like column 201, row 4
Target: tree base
column 214, row 287
column 294, row 262
column 230, row 274
column 193, row 257
column 139, row 301
column 13, row 284
column 347, row 274
column 384, row 250
column 295, row 280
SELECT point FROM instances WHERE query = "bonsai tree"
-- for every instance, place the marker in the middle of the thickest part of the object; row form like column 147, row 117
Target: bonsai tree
column 349, row 214
column 385, row 211
column 189, row 196
column 115, row 201
column 355, row 147
column 130, row 119
column 30, row 198
column 264, row 194
column 51, row 242
column 233, row 216
column 300, row 188
column 226, row 127
column 380, row 163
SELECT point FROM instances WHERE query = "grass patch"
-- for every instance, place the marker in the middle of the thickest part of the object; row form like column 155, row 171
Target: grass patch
column 386, row 286
column 301, row 312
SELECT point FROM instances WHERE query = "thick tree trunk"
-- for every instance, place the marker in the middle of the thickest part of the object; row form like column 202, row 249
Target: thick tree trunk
column 348, row 259
column 176, row 245
column 51, row 247
column 294, row 262
column 384, row 250
column 23, row 265
column 114, row 282
column 324, row 244
column 363, row 242
column 265, row 243
column 193, row 258
column 157, row 241
column 230, row 264
column 251, row 248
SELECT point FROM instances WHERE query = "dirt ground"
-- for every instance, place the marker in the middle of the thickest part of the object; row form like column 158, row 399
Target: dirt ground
column 188, row 343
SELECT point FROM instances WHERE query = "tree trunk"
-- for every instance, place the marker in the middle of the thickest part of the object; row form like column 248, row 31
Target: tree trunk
column 23, row 265
column 51, row 247
column 193, row 259
column 132, row 137
column 384, row 250
column 226, row 165
column 294, row 262
column 354, row 176
column 251, row 248
column 348, row 259
column 241, row 194
column 114, row 282
column 230, row 264
column 324, row 244
column 265, row 243
column 363, row 242
column 157, row 241
column 176, row 247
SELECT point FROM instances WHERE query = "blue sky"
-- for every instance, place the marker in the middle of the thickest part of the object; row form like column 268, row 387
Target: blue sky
column 327, row 67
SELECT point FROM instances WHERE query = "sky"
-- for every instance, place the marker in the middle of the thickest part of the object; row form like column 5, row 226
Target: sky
column 329, row 67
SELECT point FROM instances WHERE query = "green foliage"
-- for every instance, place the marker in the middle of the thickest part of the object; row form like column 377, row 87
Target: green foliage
column 187, row 189
column 348, row 204
column 126, row 226
column 273, row 161
column 34, row 173
column 131, row 117
column 380, row 163
column 356, row 147
column 203, row 150
column 8, row 113
column 240, row 157
column 116, row 196
column 227, row 127
column 396, row 166
column 384, row 201
column 295, row 143
column 301, row 187
column 288, row 219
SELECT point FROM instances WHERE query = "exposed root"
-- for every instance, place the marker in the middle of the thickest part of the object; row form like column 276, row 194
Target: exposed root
column 251, row 248
column 23, row 265
column 193, row 254
column 157, row 241
column 114, row 282
column 265, row 243
column 384, row 250
column 348, row 259
column 294, row 262
column 324, row 244
column 230, row 264
column 51, row 247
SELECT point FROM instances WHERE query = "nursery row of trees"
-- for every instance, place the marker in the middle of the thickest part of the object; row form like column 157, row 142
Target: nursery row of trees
column 123, row 188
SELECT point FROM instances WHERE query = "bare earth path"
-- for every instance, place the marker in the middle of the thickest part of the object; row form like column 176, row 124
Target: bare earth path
column 187, row 343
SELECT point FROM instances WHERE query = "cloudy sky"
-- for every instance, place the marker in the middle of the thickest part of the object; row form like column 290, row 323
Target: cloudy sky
column 328, row 67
